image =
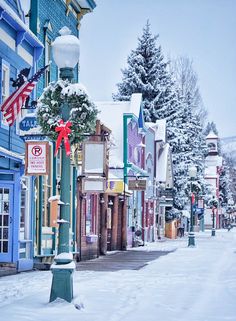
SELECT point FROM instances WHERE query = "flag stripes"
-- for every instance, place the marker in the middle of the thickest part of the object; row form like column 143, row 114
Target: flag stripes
column 12, row 105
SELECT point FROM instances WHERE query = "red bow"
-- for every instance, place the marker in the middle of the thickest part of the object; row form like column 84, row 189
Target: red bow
column 64, row 130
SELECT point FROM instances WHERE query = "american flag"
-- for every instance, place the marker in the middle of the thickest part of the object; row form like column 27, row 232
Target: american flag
column 12, row 105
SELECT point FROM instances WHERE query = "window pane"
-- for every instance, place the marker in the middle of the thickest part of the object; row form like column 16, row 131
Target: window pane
column 5, row 233
column 5, row 246
column 5, row 220
column 6, row 207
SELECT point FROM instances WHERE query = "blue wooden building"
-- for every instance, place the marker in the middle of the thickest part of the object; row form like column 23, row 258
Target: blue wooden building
column 46, row 19
column 19, row 48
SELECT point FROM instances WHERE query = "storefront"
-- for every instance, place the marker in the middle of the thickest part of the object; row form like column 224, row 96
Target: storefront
column 15, row 212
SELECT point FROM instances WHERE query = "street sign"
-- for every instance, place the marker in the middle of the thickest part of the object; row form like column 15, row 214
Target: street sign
column 28, row 122
column 137, row 184
column 37, row 158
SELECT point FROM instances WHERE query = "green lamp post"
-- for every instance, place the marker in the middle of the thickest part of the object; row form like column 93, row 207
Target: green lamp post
column 214, row 205
column 65, row 51
column 191, row 237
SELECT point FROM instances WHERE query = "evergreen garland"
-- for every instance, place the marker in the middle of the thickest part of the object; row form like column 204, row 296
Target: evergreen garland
column 83, row 112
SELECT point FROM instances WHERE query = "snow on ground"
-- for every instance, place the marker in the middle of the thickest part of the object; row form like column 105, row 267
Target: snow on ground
column 189, row 284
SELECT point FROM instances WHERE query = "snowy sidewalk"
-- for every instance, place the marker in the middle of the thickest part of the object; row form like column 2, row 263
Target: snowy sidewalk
column 189, row 284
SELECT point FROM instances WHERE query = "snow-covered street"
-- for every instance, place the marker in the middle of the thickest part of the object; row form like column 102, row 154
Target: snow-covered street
column 197, row 284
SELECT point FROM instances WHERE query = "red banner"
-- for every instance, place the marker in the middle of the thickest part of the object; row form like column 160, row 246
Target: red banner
column 193, row 198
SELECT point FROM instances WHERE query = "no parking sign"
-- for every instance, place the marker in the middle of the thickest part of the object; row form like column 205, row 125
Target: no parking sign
column 37, row 158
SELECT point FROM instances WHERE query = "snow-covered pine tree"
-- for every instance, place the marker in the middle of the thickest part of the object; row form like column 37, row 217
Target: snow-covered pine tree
column 147, row 73
column 188, row 148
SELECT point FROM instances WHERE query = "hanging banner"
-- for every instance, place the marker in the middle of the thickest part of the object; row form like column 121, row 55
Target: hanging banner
column 36, row 158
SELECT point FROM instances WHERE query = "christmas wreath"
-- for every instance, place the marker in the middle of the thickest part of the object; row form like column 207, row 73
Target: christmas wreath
column 83, row 112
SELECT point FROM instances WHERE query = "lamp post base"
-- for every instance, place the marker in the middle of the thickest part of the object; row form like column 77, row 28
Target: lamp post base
column 191, row 239
column 62, row 281
column 213, row 232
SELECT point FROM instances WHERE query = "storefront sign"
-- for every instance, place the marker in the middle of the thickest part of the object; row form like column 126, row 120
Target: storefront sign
column 28, row 122
column 94, row 158
column 93, row 185
column 37, row 158
column 115, row 187
column 137, row 184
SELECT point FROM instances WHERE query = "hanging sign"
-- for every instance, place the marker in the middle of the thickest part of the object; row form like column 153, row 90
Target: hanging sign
column 137, row 184
column 94, row 158
column 200, row 203
column 37, row 158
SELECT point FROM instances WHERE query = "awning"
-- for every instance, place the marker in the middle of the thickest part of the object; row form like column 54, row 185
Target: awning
column 12, row 155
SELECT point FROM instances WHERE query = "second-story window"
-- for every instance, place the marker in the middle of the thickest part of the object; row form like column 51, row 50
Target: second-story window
column 48, row 53
column 5, row 85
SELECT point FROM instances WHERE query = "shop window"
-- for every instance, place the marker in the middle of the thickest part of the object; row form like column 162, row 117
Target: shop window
column 23, row 208
column 90, row 214
column 25, row 225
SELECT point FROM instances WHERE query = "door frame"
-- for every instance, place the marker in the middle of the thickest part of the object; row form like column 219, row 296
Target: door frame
column 8, row 257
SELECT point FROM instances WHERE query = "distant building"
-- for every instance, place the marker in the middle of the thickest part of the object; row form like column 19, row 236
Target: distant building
column 213, row 164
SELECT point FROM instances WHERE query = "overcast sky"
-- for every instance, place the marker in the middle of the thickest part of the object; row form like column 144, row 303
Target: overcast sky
column 203, row 30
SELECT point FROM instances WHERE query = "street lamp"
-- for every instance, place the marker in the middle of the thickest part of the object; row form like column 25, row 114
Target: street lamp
column 192, row 171
column 65, row 51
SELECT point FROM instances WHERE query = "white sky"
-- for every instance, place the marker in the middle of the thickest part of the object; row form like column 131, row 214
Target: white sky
column 203, row 30
column 190, row 284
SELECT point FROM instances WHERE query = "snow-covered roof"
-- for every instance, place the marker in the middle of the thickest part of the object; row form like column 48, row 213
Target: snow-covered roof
column 87, row 4
column 10, row 154
column 111, row 115
column 17, row 21
column 160, row 129
column 135, row 103
column 211, row 135
column 162, row 164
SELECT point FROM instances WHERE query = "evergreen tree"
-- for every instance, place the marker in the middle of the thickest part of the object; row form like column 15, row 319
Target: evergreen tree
column 147, row 74
column 207, row 129
column 188, row 148
column 227, row 185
